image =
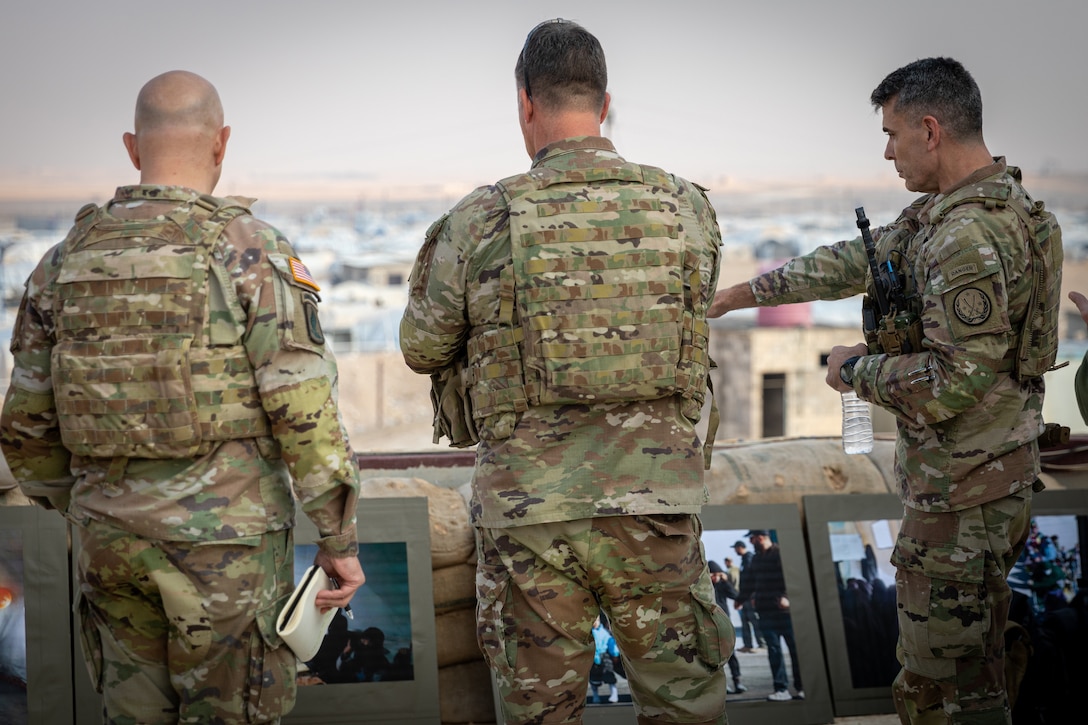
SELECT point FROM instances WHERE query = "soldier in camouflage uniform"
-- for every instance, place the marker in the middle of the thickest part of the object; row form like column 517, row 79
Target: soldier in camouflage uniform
column 561, row 315
column 170, row 382
column 981, row 264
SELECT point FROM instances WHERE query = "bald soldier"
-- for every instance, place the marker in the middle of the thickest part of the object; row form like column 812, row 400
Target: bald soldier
column 171, row 386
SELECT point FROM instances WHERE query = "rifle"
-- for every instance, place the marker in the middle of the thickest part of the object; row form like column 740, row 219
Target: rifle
column 890, row 327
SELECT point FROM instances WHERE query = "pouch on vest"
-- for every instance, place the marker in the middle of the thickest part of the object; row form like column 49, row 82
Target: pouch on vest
column 1038, row 349
column 452, row 409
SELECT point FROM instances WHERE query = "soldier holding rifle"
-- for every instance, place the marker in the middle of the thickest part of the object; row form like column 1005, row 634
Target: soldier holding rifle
column 977, row 265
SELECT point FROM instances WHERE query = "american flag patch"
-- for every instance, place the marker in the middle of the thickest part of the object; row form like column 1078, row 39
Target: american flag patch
column 302, row 275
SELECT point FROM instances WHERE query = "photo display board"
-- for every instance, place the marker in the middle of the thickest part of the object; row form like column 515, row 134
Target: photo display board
column 35, row 632
column 851, row 539
column 722, row 527
column 389, row 640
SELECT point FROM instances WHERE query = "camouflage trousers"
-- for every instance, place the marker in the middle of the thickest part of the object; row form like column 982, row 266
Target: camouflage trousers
column 175, row 632
column 540, row 587
column 953, row 601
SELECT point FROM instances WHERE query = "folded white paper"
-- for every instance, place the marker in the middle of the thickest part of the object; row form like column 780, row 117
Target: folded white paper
column 301, row 624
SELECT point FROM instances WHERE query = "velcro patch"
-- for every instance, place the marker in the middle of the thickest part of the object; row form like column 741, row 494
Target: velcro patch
column 960, row 270
column 301, row 274
column 313, row 322
column 972, row 306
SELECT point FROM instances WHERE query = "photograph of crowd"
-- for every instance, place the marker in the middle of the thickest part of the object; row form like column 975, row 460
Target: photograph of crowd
column 372, row 643
column 1048, row 617
column 749, row 584
column 865, row 579
column 1049, row 568
column 13, row 674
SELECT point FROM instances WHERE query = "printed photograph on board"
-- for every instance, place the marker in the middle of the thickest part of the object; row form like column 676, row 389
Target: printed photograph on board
column 764, row 665
column 1050, row 567
column 750, row 585
column 13, row 674
column 374, row 643
column 861, row 552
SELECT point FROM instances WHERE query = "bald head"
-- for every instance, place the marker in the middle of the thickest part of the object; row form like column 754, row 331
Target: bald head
column 179, row 134
column 178, row 101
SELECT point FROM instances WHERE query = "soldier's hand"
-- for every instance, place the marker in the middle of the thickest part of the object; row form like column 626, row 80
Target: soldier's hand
column 1082, row 304
column 838, row 355
column 347, row 572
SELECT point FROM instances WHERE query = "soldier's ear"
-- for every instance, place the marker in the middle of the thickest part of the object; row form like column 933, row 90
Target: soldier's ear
column 604, row 108
column 220, row 147
column 132, row 148
column 933, row 132
column 525, row 107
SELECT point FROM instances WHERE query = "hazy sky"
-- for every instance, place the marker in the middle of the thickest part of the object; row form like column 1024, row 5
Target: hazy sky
column 389, row 95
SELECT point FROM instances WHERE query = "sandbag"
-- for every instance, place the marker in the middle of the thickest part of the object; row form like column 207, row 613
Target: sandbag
column 455, row 637
column 783, row 470
column 465, row 695
column 452, row 538
column 454, row 587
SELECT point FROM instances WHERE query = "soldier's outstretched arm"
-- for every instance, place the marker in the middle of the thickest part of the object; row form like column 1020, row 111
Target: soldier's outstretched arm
column 737, row 297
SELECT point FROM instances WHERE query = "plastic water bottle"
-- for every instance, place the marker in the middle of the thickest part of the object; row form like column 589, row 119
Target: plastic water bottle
column 857, row 424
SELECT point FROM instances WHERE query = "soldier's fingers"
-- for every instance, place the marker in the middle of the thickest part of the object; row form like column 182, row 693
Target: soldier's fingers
column 1081, row 302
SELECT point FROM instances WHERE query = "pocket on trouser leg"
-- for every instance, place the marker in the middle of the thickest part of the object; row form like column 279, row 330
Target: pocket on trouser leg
column 91, row 641
column 714, row 633
column 940, row 597
column 271, row 680
column 493, row 632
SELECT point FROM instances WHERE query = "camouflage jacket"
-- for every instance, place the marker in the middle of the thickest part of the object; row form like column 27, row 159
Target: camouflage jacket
column 242, row 487
column 967, row 428
column 561, row 462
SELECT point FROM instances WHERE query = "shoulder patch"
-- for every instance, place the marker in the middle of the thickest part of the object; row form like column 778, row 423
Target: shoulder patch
column 301, row 274
column 313, row 322
column 960, row 270
column 972, row 306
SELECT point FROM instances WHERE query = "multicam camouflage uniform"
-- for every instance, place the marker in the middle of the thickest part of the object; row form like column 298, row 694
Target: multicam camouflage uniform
column 182, row 476
column 582, row 503
column 966, row 451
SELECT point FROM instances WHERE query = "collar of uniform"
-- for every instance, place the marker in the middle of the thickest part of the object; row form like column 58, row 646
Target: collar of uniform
column 156, row 192
column 997, row 168
column 573, row 145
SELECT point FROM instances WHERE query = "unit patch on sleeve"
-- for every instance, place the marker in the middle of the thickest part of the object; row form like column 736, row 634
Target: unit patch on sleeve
column 313, row 323
column 972, row 306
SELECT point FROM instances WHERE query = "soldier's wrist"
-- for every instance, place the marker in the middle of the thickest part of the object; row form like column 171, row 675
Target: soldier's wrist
column 846, row 370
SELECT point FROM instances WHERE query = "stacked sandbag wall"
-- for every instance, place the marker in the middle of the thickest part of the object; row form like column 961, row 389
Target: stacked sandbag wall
column 464, row 681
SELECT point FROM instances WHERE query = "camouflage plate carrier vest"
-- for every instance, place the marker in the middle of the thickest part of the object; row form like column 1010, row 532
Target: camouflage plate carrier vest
column 602, row 303
column 149, row 361
column 1036, row 345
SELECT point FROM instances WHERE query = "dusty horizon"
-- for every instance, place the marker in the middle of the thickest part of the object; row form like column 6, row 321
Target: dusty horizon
column 1058, row 189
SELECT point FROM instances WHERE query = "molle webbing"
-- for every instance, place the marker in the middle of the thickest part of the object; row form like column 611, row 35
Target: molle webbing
column 604, row 293
column 133, row 373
